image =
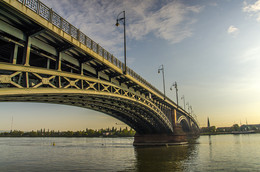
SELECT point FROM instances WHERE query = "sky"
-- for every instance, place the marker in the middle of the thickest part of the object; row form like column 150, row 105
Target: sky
column 210, row 48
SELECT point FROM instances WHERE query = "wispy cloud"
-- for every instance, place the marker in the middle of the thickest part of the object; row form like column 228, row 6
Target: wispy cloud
column 251, row 55
column 253, row 9
column 168, row 20
column 232, row 30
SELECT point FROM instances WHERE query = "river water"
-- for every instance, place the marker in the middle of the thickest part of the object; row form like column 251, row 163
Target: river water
column 209, row 153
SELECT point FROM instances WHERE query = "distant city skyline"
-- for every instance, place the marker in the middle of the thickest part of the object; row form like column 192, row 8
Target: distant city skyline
column 210, row 48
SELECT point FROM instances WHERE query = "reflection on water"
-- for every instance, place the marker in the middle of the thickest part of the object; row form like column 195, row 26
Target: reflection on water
column 171, row 158
column 210, row 147
column 210, row 153
column 237, row 139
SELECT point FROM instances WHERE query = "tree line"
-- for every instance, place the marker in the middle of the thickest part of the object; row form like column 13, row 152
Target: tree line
column 233, row 129
column 113, row 132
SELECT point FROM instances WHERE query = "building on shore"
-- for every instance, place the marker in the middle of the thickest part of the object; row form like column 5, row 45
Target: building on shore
column 248, row 127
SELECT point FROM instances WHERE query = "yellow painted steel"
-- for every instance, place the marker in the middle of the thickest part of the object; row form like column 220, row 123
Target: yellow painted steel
column 59, row 32
column 109, row 89
column 175, row 116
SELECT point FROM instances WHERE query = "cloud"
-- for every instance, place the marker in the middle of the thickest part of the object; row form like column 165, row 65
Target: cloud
column 232, row 30
column 253, row 9
column 168, row 20
column 251, row 55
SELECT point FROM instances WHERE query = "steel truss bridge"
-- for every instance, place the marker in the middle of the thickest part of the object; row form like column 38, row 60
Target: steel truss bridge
column 43, row 58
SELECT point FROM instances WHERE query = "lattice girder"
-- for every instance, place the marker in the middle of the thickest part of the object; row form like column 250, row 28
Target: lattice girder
column 38, row 78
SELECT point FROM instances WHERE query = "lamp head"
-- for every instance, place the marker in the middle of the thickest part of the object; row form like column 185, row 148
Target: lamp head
column 158, row 70
column 117, row 23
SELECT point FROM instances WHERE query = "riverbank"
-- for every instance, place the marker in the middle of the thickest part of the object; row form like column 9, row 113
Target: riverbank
column 233, row 132
column 113, row 132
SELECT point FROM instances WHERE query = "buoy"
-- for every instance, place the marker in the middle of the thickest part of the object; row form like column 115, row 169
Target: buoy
column 53, row 144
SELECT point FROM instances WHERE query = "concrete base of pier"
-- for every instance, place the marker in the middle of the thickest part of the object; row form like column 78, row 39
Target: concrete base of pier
column 177, row 138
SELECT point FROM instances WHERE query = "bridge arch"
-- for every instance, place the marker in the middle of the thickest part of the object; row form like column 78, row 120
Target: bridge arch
column 50, row 86
column 194, row 127
column 183, row 121
column 141, row 118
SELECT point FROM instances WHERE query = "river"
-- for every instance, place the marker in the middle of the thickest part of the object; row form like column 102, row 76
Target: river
column 209, row 153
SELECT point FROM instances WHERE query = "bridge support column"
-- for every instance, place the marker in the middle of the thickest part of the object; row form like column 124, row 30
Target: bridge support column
column 58, row 61
column 174, row 116
column 48, row 63
column 14, row 54
column 27, row 51
column 176, row 138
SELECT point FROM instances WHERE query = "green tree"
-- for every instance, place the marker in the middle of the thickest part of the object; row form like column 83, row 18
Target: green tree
column 212, row 129
column 33, row 134
column 69, row 133
column 235, row 127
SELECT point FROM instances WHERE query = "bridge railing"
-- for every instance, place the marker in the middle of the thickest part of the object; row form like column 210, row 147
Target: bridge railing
column 48, row 14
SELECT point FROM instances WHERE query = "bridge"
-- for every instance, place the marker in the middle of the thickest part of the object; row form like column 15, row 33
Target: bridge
column 43, row 58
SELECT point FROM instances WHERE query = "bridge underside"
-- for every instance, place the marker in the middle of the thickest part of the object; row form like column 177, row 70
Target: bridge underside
column 130, row 112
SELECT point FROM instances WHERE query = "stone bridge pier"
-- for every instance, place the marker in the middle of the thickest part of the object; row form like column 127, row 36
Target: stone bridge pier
column 184, row 131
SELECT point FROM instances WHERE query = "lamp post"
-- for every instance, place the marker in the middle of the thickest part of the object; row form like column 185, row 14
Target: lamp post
column 183, row 98
column 188, row 106
column 195, row 116
column 117, row 24
column 162, row 69
column 176, row 88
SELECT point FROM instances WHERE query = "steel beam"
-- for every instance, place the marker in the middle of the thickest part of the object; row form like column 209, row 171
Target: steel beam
column 65, row 48
column 14, row 54
column 35, row 32
column 26, row 52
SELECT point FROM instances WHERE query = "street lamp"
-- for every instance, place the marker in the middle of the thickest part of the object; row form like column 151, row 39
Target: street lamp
column 191, row 110
column 117, row 24
column 195, row 116
column 188, row 106
column 162, row 69
column 183, row 98
column 176, row 88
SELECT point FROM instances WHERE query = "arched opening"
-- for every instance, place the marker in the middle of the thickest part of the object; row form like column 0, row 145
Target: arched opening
column 185, row 125
column 28, row 116
column 193, row 127
column 138, row 116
